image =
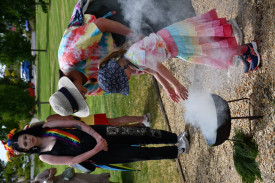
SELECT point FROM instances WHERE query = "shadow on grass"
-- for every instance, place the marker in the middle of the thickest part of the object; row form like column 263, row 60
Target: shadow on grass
column 151, row 106
column 127, row 176
column 47, row 31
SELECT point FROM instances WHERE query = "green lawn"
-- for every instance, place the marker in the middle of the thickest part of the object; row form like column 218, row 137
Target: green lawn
column 142, row 99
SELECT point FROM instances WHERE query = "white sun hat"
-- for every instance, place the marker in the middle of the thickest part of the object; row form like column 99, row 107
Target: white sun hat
column 68, row 100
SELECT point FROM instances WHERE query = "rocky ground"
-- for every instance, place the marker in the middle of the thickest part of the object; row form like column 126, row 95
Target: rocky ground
column 205, row 164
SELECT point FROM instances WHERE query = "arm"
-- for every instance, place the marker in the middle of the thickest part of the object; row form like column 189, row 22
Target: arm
column 55, row 117
column 107, row 25
column 67, row 160
column 168, row 76
column 101, row 142
column 72, row 124
column 165, row 84
column 135, row 71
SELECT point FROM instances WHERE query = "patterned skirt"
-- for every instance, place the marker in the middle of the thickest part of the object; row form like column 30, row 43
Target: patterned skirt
column 204, row 39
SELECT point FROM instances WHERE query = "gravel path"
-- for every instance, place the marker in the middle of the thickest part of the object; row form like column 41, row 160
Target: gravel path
column 205, row 164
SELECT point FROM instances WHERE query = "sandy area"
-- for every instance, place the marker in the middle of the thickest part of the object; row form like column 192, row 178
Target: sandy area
column 205, row 164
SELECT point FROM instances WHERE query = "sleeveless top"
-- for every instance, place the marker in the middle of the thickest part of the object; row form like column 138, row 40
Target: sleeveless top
column 63, row 148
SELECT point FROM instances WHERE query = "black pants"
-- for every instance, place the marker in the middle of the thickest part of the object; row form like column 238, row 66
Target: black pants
column 172, row 11
column 123, row 144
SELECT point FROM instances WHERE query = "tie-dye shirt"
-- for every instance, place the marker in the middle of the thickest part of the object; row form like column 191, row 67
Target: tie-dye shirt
column 82, row 46
column 147, row 52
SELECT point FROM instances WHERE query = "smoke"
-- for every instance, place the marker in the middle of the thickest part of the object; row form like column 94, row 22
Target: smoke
column 200, row 111
column 146, row 16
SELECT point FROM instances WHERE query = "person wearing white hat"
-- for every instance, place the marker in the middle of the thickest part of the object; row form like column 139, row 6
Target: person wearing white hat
column 101, row 119
column 70, row 100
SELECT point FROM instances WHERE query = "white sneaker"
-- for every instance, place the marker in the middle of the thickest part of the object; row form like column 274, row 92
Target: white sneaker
column 184, row 134
column 183, row 143
column 146, row 122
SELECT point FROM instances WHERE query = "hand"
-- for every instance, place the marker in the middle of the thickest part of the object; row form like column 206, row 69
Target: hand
column 102, row 143
column 136, row 72
column 172, row 94
column 182, row 92
column 49, row 180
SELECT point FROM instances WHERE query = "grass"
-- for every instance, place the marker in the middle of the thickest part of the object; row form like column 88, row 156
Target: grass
column 142, row 98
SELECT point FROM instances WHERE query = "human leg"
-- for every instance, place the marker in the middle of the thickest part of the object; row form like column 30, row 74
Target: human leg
column 180, row 90
column 134, row 136
column 127, row 119
column 126, row 154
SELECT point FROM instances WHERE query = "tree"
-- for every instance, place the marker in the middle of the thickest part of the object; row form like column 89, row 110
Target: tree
column 15, row 13
column 16, row 103
column 11, row 99
column 2, row 169
column 14, row 169
column 44, row 5
column 14, row 47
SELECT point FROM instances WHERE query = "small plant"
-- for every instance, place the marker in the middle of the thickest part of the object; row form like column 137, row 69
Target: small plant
column 245, row 153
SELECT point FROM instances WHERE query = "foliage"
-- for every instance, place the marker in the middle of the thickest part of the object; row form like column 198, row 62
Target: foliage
column 15, row 48
column 43, row 6
column 16, row 103
column 2, row 169
column 20, row 166
column 245, row 153
column 12, row 72
column 15, row 13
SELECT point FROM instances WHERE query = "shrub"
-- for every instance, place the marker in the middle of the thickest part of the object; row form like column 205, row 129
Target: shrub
column 245, row 153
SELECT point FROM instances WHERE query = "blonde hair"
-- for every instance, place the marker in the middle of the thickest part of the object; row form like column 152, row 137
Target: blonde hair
column 116, row 54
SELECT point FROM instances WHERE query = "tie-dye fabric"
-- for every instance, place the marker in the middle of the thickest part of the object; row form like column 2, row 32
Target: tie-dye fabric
column 82, row 46
column 148, row 51
column 205, row 39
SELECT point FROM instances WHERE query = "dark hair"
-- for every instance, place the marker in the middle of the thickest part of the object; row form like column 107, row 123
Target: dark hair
column 60, row 73
column 35, row 131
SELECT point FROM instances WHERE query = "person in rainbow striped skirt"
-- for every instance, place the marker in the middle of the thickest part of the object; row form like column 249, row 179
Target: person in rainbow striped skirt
column 204, row 39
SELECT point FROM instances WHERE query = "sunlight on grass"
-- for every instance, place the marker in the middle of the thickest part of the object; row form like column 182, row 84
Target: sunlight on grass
column 142, row 98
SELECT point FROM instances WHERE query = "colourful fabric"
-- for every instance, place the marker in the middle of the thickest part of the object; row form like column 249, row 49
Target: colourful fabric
column 78, row 16
column 115, row 167
column 7, row 145
column 96, row 119
column 113, row 79
column 101, row 119
column 148, row 51
column 82, row 46
column 62, row 135
column 205, row 39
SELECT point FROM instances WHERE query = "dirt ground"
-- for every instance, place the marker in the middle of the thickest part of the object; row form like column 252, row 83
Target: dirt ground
column 206, row 164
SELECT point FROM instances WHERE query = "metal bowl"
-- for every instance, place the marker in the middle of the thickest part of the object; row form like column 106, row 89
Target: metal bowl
column 223, row 120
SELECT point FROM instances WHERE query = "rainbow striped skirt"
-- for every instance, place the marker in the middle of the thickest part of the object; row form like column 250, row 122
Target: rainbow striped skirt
column 204, row 39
